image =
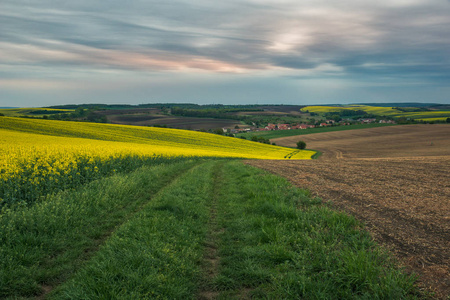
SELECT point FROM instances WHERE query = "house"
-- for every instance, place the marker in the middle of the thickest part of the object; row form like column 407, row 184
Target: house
column 368, row 120
column 270, row 126
column 387, row 122
column 283, row 126
column 306, row 126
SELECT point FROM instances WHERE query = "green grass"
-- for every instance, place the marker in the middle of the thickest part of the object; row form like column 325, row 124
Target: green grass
column 44, row 244
column 279, row 243
column 317, row 155
column 150, row 234
column 155, row 254
column 21, row 189
column 284, row 133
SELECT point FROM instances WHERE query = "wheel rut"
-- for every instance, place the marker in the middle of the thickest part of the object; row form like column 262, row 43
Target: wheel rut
column 89, row 252
column 211, row 257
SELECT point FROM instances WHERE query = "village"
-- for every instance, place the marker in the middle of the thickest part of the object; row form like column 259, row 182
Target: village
column 271, row 126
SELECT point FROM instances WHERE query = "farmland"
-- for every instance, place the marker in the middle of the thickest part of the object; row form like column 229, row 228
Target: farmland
column 154, row 116
column 112, row 211
column 382, row 142
column 394, row 179
column 39, row 156
column 394, row 112
column 191, row 229
column 275, row 134
column 163, row 141
column 35, row 112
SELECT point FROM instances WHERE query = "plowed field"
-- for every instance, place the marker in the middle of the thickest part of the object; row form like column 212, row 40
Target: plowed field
column 380, row 142
column 396, row 180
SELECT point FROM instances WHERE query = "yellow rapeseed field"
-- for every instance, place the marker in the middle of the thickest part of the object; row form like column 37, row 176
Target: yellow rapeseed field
column 40, row 156
column 387, row 111
column 163, row 141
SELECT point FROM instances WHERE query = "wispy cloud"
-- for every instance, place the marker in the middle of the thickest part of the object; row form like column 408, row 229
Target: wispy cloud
column 351, row 40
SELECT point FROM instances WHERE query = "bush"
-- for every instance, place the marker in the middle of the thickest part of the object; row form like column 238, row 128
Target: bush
column 301, row 145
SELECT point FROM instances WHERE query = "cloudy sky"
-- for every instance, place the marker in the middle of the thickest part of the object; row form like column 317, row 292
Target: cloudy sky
column 235, row 52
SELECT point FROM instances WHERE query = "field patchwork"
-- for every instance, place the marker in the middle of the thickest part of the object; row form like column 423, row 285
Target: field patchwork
column 97, row 210
column 383, row 111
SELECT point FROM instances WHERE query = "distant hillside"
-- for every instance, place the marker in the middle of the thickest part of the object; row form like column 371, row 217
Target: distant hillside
column 424, row 114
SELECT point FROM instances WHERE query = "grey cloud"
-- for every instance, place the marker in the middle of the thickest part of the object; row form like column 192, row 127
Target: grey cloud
column 382, row 38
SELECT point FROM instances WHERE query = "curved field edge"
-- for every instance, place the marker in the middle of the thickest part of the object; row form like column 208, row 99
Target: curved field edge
column 163, row 141
column 274, row 241
column 40, row 157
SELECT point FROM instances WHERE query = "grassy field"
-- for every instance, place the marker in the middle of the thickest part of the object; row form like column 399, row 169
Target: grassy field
column 273, row 134
column 190, row 230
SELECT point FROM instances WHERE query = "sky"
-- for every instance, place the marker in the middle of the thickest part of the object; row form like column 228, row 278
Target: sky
column 231, row 52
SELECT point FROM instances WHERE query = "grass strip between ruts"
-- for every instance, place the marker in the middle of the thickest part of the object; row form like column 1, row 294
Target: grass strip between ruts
column 279, row 243
column 157, row 253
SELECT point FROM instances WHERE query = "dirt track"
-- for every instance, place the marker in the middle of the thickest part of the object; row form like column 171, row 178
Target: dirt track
column 396, row 180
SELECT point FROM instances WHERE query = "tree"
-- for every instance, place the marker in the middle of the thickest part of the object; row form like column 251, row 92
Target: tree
column 218, row 131
column 448, row 120
column 80, row 112
column 301, row 145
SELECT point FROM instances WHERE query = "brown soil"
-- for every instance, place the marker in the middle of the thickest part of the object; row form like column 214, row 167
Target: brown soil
column 172, row 121
column 380, row 142
column 154, row 116
column 396, row 180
